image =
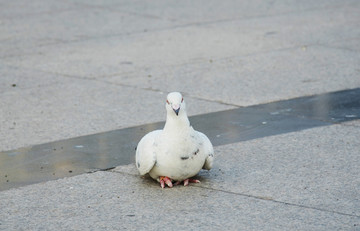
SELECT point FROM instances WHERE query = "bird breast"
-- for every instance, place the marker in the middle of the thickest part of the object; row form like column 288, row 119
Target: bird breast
column 179, row 158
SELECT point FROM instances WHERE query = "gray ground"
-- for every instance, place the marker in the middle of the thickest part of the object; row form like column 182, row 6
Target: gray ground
column 72, row 68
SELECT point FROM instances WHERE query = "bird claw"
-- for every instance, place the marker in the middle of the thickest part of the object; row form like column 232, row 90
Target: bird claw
column 165, row 180
column 187, row 181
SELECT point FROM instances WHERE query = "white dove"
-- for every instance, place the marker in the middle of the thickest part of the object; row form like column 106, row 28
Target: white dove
column 177, row 152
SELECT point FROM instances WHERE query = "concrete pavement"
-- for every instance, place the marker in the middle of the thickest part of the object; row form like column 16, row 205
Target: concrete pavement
column 74, row 68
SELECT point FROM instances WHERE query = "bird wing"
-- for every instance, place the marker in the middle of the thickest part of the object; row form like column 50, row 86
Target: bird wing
column 145, row 152
column 208, row 149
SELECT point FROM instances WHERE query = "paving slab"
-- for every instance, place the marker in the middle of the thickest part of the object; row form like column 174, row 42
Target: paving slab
column 62, row 26
column 39, row 23
column 249, row 80
column 127, row 53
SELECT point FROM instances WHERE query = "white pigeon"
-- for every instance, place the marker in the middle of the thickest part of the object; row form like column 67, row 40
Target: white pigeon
column 177, row 152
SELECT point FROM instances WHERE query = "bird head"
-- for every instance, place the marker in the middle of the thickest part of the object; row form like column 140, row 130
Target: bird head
column 175, row 102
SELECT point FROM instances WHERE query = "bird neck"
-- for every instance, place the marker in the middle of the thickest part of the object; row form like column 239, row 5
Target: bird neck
column 176, row 123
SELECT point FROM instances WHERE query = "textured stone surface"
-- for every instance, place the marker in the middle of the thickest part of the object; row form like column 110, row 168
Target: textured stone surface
column 72, row 68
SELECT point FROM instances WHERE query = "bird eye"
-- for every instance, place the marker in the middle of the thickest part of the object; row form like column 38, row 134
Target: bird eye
column 167, row 101
column 182, row 99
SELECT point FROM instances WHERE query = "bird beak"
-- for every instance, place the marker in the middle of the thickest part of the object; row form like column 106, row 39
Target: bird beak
column 176, row 110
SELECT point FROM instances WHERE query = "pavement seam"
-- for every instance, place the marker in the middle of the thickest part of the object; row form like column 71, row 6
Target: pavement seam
column 121, row 172
column 121, row 84
column 338, row 47
column 250, row 196
column 350, row 125
column 277, row 201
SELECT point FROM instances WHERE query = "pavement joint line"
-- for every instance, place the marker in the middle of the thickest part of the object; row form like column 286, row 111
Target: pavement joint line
column 91, row 6
column 249, row 196
column 335, row 47
column 125, row 173
column 262, row 198
column 146, row 16
column 212, row 101
column 268, row 199
column 350, row 125
column 124, row 85
column 102, row 170
column 276, row 201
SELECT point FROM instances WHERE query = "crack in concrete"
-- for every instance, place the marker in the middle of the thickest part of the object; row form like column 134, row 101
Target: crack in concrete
column 262, row 198
column 279, row 202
